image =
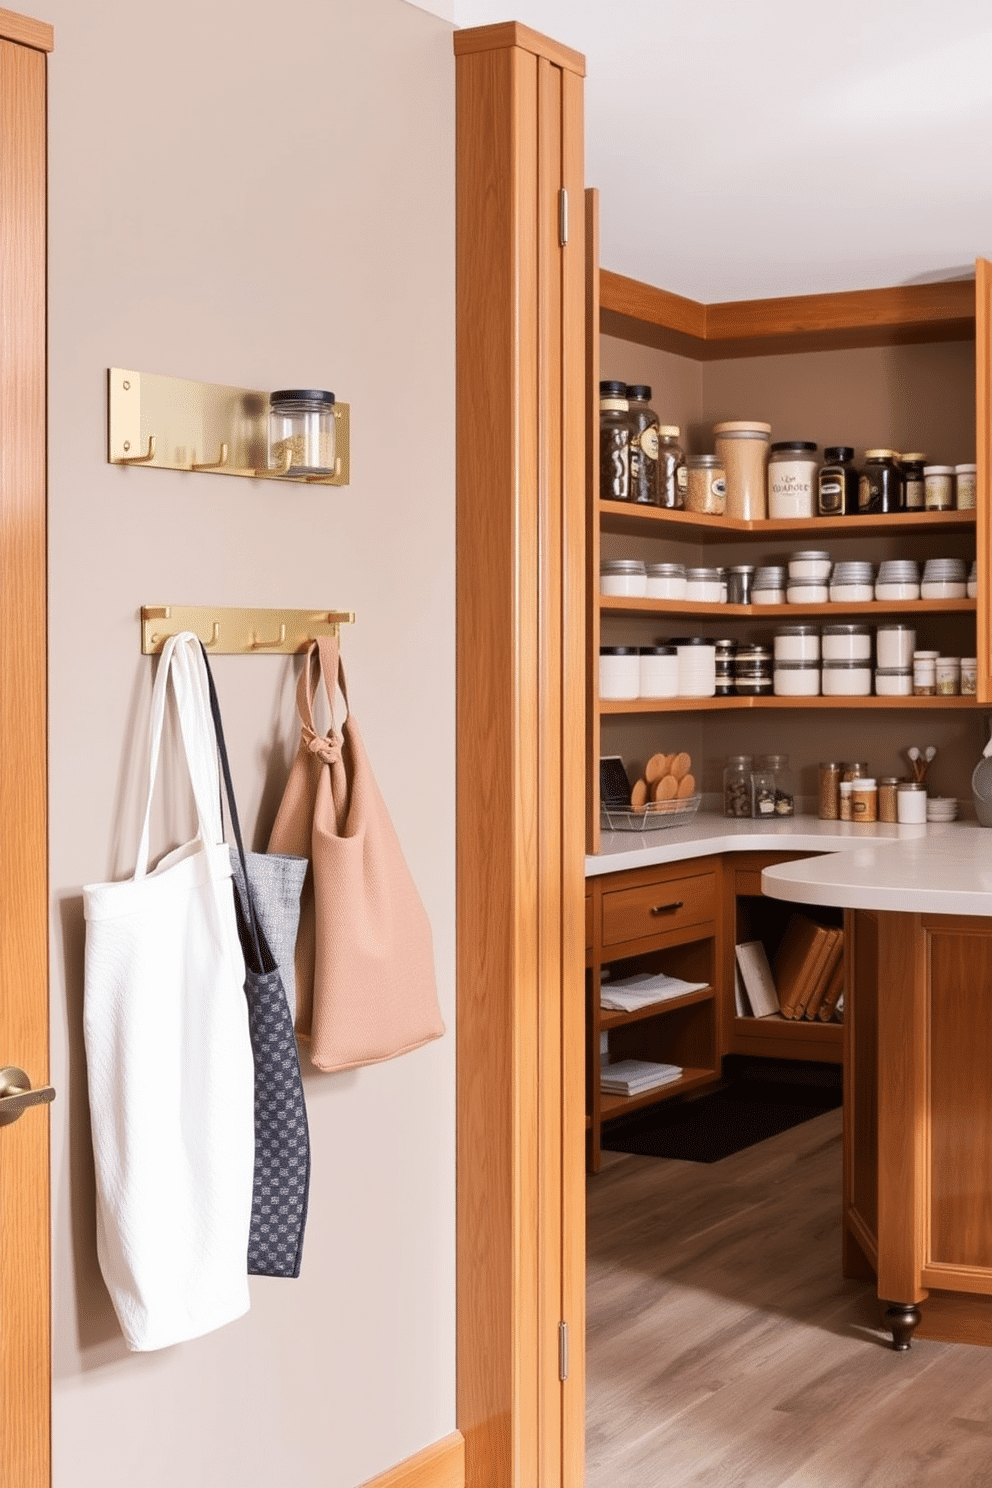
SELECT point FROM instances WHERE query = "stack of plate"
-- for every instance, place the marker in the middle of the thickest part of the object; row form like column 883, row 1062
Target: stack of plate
column 944, row 578
column 898, row 578
column 941, row 808
column 852, row 583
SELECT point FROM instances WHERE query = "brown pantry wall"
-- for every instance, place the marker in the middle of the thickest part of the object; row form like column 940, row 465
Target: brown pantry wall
column 916, row 396
column 266, row 198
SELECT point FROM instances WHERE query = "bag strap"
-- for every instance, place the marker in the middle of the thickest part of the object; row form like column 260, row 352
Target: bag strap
column 325, row 652
column 248, row 906
column 178, row 663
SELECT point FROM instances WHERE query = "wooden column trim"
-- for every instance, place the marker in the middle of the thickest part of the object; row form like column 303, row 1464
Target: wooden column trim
column 983, row 459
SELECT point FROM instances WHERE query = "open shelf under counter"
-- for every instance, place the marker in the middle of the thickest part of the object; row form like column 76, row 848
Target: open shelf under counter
column 683, row 608
column 610, row 1018
column 718, row 704
column 626, row 519
column 621, row 1105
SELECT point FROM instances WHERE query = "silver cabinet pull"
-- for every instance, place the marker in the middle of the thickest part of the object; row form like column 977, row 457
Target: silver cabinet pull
column 16, row 1094
column 657, row 909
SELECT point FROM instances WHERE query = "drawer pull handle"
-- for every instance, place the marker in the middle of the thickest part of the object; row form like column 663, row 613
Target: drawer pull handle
column 657, row 909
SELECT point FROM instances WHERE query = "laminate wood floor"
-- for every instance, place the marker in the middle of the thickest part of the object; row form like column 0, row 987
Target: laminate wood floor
column 725, row 1350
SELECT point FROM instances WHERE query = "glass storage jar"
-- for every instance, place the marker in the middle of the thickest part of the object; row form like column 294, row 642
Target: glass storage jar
column 643, row 424
column 913, row 488
column 837, row 483
column 777, row 765
column 938, row 482
column 762, row 793
column 880, row 485
column 673, row 477
column 301, row 430
column 706, row 491
column 737, row 785
column 742, row 447
column 829, row 782
column 614, row 442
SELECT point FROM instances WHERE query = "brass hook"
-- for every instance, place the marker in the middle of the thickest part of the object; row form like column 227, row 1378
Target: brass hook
column 282, row 469
column 141, row 459
column 257, row 645
column 214, row 634
column 212, row 464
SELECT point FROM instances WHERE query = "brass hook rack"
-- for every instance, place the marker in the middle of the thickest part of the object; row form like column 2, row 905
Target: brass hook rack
column 237, row 632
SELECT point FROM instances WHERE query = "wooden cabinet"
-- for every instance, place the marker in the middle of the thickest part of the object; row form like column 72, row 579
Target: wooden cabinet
column 807, row 365
column 918, row 1124
column 663, row 919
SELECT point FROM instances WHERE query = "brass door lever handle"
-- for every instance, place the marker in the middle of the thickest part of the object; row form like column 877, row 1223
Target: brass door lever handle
column 16, row 1094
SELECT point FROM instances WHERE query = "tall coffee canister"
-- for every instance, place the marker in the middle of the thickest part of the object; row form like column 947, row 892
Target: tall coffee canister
column 742, row 447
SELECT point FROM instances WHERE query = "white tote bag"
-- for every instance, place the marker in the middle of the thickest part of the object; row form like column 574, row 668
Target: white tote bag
column 171, row 1077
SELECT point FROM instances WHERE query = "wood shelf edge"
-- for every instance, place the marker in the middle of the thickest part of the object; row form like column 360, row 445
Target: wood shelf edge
column 612, row 1019
column 619, row 1105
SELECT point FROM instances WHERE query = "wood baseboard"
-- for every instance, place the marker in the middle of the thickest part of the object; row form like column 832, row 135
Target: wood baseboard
column 441, row 1465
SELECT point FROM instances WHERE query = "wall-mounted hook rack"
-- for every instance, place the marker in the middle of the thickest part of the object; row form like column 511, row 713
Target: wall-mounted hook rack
column 181, row 425
column 237, row 632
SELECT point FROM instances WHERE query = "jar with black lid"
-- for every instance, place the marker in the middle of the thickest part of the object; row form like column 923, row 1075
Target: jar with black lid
column 643, row 424
column 614, row 442
column 913, row 484
column 726, row 650
column 302, row 434
column 880, row 484
column 837, row 483
column 753, row 670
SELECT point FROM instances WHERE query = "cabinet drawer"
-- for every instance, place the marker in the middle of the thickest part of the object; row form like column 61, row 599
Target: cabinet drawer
column 651, row 909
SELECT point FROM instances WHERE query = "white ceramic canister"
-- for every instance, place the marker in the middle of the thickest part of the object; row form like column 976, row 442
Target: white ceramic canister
column 894, row 647
column 792, row 479
column 625, row 578
column 948, row 669
column 911, row 802
column 938, row 484
column 893, row 682
column 846, row 643
column 619, row 673
column 846, row 679
column 964, row 486
column 697, row 666
column 741, row 446
column 796, row 678
column 799, row 643
column 812, row 566
column 969, row 676
column 704, row 585
column 666, row 580
column 807, row 593
column 659, row 672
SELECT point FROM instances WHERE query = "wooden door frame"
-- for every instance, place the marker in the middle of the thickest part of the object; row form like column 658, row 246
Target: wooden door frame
column 25, row 1197
column 521, row 414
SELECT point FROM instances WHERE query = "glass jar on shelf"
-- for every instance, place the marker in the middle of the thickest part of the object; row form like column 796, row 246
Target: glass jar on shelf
column 777, row 766
column 614, row 442
column 737, row 785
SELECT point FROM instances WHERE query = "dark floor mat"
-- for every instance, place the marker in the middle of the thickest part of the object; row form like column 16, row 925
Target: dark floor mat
column 747, row 1109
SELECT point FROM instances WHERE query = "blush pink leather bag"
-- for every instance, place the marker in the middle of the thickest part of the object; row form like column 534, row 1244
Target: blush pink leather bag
column 364, row 958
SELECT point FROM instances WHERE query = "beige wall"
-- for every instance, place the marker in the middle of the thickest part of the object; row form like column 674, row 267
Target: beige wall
column 259, row 196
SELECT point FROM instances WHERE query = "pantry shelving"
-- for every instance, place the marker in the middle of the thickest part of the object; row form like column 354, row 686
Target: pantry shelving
column 780, row 614
column 720, row 704
column 623, row 519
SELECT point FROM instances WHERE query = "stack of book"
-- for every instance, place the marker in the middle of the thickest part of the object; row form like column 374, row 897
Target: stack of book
column 636, row 1076
column 806, row 979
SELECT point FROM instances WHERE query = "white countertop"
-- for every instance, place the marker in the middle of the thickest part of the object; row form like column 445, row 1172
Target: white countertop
column 943, row 868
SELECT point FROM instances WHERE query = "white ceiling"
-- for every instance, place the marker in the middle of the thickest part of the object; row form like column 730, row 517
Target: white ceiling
column 780, row 146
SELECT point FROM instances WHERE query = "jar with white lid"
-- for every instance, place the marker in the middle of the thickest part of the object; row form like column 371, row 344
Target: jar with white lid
column 742, row 447
column 666, row 580
column 697, row 666
column 844, row 798
column 659, row 672
column 938, row 485
column 302, row 431
column 809, row 567
column 706, row 491
column 619, row 673
column 964, row 486
column 796, row 678
column 924, row 674
column 969, row 676
column 846, row 643
column 911, row 802
column 704, row 585
column 792, row 479
column 948, row 672
column 894, row 647
column 893, row 682
column 864, row 800
column 624, row 578
column 797, row 643
column 846, row 679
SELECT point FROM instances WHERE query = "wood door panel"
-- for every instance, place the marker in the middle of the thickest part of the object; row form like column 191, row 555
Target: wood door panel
column 960, row 1111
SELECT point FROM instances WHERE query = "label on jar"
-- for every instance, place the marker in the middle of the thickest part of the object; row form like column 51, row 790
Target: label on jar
column 718, row 487
column 869, row 497
column 790, row 490
column 914, row 492
column 647, row 441
column 682, row 478
column 831, row 494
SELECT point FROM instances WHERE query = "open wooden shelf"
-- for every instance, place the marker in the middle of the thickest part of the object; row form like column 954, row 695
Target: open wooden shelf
column 681, row 608
column 718, row 704
column 611, row 1019
column 620, row 1105
column 624, row 518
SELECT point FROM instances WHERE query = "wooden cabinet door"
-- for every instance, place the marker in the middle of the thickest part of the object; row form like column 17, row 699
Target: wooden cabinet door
column 983, row 458
column 25, row 1373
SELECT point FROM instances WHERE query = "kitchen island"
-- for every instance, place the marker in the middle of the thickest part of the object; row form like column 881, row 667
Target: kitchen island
column 917, row 1039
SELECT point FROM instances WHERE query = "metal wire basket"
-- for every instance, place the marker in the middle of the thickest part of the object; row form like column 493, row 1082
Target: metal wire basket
column 651, row 818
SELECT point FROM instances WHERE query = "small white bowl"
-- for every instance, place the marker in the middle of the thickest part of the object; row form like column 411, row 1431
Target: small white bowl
column 897, row 591
column 938, row 589
column 807, row 594
column 851, row 593
column 817, row 569
column 768, row 596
